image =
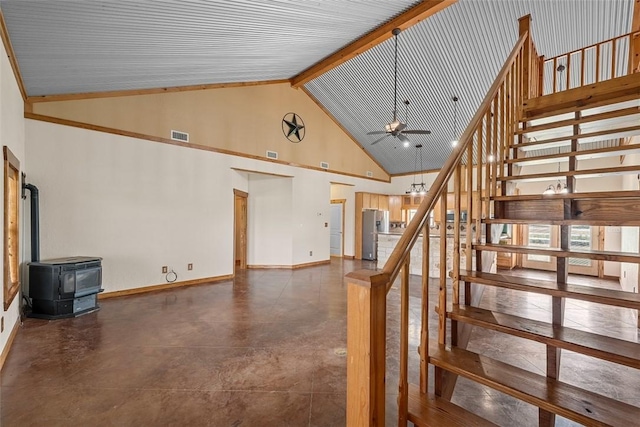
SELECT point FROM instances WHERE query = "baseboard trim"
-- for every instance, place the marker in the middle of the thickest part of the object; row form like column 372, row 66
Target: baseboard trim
column 12, row 336
column 348, row 256
column 607, row 277
column 163, row 287
column 290, row 267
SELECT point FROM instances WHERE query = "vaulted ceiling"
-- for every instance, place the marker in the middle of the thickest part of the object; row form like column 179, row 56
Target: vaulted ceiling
column 67, row 47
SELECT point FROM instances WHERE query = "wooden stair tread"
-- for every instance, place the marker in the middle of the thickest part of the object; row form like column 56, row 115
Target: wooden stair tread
column 591, row 195
column 428, row 410
column 568, row 138
column 584, row 293
column 614, row 114
column 585, row 173
column 551, row 395
column 580, row 154
column 591, row 344
column 610, row 222
column 557, row 252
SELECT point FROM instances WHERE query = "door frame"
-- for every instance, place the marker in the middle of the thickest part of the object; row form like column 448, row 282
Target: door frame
column 335, row 202
column 240, row 221
column 551, row 265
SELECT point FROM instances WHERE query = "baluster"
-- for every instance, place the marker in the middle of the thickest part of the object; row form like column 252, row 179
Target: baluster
column 424, row 335
column 568, row 70
column 455, row 298
column 597, row 63
column 613, row 59
column 582, row 55
column 403, row 386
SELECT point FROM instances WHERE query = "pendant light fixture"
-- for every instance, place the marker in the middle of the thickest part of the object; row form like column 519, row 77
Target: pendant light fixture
column 415, row 189
column 559, row 188
column 454, row 139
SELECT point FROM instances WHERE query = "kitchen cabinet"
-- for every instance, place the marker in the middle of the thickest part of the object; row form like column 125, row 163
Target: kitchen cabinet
column 395, row 208
column 383, row 202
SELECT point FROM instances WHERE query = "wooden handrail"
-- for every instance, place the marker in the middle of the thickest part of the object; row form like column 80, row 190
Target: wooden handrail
column 597, row 64
column 403, row 249
column 630, row 35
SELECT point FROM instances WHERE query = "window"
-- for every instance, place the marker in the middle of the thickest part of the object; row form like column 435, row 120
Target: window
column 11, row 216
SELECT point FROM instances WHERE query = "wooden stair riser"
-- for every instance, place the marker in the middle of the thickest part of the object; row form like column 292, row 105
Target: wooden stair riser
column 594, row 95
column 620, row 211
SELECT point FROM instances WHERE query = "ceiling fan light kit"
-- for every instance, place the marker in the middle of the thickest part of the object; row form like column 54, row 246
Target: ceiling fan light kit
column 397, row 128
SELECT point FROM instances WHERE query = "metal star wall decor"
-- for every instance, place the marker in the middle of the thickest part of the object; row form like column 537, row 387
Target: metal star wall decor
column 293, row 127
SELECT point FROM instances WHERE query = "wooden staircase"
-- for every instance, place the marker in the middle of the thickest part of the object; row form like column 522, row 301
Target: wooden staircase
column 516, row 129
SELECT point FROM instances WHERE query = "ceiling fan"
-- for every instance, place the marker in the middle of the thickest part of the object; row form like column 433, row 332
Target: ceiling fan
column 396, row 128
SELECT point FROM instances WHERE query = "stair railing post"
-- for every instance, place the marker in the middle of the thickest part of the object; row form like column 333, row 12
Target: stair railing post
column 524, row 26
column 366, row 352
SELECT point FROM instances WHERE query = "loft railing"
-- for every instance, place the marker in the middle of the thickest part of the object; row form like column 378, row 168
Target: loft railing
column 592, row 64
column 472, row 173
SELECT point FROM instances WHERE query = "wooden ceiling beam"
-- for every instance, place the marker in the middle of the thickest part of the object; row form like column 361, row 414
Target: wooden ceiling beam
column 419, row 12
column 4, row 34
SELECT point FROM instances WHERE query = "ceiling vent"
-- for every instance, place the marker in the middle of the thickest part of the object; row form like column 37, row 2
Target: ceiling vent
column 176, row 135
column 272, row 155
column 369, row 174
column 324, row 165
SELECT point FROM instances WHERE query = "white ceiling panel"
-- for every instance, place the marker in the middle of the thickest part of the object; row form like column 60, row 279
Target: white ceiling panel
column 78, row 46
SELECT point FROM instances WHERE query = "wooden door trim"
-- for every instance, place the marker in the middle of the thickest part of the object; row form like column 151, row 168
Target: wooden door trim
column 244, row 196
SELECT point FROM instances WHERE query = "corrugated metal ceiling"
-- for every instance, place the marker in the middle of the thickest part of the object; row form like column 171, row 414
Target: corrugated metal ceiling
column 92, row 46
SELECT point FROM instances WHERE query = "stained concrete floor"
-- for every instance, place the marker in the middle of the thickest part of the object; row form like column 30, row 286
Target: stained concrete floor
column 265, row 349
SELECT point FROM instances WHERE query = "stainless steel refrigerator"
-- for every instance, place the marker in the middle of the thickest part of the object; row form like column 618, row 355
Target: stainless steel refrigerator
column 369, row 235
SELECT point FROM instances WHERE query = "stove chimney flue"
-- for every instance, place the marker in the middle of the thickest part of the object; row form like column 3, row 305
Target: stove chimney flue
column 35, row 227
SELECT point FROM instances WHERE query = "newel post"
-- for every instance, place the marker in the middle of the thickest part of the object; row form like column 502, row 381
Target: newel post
column 524, row 25
column 366, row 339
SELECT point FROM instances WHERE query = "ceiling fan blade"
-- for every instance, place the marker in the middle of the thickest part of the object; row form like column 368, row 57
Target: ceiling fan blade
column 418, row 132
column 379, row 139
column 377, row 132
column 402, row 138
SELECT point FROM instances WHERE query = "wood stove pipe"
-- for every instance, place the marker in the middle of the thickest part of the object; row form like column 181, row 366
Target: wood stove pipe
column 35, row 228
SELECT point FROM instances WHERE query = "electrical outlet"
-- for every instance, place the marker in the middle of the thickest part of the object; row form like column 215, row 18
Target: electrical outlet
column 165, row 269
column 310, row 253
column 189, row 266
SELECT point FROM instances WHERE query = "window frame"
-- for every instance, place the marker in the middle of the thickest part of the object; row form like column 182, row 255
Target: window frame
column 11, row 226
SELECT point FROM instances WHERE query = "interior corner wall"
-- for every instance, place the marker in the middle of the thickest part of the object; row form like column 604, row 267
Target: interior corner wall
column 311, row 207
column 139, row 205
column 269, row 221
column 12, row 134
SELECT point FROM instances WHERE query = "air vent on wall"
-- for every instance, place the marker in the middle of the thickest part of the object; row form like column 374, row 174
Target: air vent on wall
column 272, row 154
column 324, row 165
column 369, row 174
column 176, row 135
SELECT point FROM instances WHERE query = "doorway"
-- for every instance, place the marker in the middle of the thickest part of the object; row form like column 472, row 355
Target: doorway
column 548, row 236
column 336, row 224
column 240, row 230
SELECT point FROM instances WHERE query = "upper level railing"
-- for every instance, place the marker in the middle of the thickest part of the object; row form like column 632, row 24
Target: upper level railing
column 591, row 64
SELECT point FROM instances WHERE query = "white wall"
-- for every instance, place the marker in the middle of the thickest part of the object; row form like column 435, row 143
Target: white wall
column 311, row 206
column 12, row 135
column 141, row 205
column 269, row 228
